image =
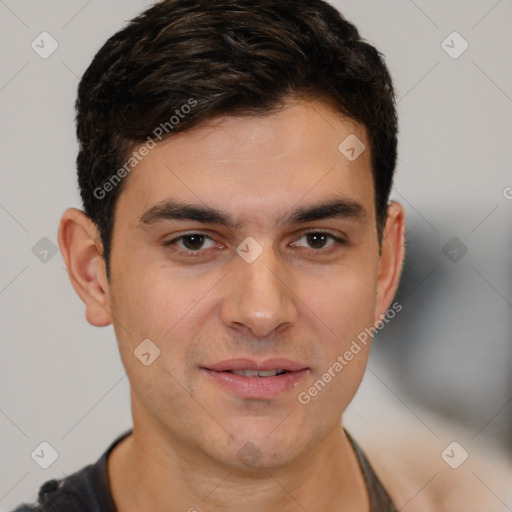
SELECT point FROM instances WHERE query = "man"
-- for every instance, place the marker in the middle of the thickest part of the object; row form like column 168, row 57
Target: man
column 235, row 164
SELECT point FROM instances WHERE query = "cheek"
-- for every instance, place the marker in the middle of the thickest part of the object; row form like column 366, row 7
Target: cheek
column 151, row 306
column 343, row 300
column 155, row 302
column 166, row 308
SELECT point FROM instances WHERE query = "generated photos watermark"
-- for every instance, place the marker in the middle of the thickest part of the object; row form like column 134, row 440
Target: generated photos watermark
column 304, row 397
column 157, row 135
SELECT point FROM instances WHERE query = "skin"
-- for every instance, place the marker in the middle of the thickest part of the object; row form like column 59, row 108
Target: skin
column 300, row 299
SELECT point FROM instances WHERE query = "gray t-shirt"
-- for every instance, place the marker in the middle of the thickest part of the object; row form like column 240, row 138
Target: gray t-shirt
column 88, row 490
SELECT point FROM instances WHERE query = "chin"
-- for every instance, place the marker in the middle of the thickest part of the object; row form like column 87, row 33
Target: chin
column 263, row 449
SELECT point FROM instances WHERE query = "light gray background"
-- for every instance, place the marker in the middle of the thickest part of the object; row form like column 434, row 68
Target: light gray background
column 443, row 366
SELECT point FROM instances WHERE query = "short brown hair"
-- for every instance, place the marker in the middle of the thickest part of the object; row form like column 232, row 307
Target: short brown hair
column 227, row 57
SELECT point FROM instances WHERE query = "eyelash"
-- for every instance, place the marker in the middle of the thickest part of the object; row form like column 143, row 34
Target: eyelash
column 194, row 254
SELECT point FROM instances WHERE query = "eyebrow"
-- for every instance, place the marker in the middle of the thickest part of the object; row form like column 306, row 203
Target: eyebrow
column 176, row 210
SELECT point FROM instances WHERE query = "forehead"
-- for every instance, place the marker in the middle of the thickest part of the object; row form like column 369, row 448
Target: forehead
column 258, row 164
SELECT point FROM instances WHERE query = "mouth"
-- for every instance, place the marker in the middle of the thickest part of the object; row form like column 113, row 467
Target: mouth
column 260, row 373
column 247, row 378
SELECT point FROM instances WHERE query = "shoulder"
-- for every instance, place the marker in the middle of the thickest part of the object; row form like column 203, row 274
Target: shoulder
column 66, row 494
column 86, row 490
column 49, row 490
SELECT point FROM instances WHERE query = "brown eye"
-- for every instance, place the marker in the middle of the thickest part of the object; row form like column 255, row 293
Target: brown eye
column 319, row 240
column 192, row 242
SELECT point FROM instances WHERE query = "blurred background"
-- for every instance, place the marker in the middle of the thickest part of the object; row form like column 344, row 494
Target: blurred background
column 438, row 387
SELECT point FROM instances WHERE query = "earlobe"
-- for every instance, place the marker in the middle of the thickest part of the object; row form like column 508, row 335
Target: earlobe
column 392, row 258
column 82, row 251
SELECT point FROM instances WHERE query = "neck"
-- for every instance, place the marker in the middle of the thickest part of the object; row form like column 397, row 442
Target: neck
column 147, row 472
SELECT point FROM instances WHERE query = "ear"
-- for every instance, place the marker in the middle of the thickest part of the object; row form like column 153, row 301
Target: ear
column 391, row 259
column 81, row 248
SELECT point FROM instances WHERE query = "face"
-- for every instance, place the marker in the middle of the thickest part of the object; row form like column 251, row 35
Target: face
column 247, row 245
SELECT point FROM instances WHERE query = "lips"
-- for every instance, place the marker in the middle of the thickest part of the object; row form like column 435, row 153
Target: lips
column 260, row 373
column 232, row 365
column 247, row 378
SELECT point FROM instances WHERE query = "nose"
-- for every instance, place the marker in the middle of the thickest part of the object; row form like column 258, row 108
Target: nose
column 259, row 297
